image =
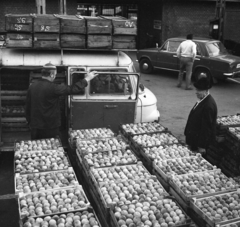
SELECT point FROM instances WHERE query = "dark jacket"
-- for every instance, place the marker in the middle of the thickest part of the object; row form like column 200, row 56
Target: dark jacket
column 200, row 129
column 42, row 103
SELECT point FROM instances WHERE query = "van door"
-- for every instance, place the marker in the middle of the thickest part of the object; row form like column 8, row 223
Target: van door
column 110, row 99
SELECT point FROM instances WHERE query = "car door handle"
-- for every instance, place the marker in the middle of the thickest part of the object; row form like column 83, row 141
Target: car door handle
column 197, row 59
column 175, row 56
column 110, row 106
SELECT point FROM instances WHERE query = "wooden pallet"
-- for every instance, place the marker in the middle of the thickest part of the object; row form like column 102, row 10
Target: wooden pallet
column 124, row 42
column 72, row 24
column 46, row 23
column 99, row 41
column 18, row 23
column 46, row 40
column 73, row 41
column 23, row 40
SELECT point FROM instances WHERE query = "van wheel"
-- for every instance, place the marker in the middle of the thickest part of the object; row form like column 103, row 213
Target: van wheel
column 146, row 66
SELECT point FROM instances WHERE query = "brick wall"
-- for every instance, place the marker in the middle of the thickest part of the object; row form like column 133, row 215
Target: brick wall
column 183, row 17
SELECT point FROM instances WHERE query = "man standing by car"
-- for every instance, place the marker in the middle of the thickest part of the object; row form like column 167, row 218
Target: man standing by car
column 186, row 52
column 42, row 104
column 200, row 130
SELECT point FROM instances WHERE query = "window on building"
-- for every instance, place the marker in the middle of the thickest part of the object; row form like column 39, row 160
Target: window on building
column 129, row 11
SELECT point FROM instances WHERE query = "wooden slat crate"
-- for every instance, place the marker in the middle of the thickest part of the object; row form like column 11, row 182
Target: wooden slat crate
column 19, row 40
column 72, row 24
column 18, row 22
column 46, row 23
column 73, row 41
column 99, row 41
column 46, row 40
column 124, row 42
column 97, row 25
column 124, row 27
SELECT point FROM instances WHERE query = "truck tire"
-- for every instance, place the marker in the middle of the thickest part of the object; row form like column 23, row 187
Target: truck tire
column 146, row 66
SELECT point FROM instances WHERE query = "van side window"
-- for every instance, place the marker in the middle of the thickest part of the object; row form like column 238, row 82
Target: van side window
column 76, row 76
column 111, row 84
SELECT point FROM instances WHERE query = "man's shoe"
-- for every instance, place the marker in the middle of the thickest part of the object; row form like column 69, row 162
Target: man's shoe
column 188, row 88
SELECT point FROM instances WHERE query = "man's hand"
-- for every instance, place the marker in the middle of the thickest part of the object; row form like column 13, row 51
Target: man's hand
column 91, row 75
column 201, row 150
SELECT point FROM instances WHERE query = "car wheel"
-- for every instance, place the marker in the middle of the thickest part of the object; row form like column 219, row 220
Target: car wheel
column 146, row 66
column 201, row 73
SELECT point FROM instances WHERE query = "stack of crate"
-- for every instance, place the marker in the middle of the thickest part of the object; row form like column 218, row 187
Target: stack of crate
column 124, row 33
column 19, row 30
column 46, row 31
column 99, row 31
column 73, row 31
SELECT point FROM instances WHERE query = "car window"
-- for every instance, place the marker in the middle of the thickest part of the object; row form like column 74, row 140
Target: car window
column 76, row 76
column 173, row 46
column 118, row 84
column 198, row 50
column 165, row 46
column 215, row 48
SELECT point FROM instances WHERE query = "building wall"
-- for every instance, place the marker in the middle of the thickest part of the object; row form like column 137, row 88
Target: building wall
column 184, row 17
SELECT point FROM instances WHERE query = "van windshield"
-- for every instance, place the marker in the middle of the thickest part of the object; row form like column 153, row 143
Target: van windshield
column 115, row 84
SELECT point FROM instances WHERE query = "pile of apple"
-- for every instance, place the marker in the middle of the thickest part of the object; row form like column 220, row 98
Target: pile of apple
column 89, row 146
column 156, row 139
column 91, row 133
column 204, row 183
column 38, row 145
column 143, row 128
column 118, row 173
column 41, row 161
column 221, row 207
column 74, row 219
column 163, row 213
column 10, row 109
column 146, row 189
column 44, row 181
column 229, row 120
column 235, row 131
column 110, row 158
column 52, row 201
column 167, row 151
column 184, row 165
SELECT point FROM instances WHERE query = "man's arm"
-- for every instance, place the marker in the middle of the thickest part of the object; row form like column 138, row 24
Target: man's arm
column 76, row 88
column 179, row 51
column 194, row 50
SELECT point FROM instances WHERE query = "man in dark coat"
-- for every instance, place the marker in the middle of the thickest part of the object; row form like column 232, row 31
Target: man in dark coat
column 42, row 103
column 200, row 129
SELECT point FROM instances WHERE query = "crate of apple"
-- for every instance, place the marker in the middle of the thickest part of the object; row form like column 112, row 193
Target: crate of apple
column 163, row 213
column 167, row 151
column 118, row 173
column 199, row 184
column 52, row 202
column 154, row 139
column 37, row 145
column 85, row 218
column 41, row 161
column 218, row 209
column 94, row 133
column 132, row 190
column 109, row 158
column 34, row 182
column 179, row 166
column 229, row 120
column 141, row 128
column 94, row 145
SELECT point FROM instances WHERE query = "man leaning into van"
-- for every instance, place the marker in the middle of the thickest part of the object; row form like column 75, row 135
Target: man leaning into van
column 42, row 103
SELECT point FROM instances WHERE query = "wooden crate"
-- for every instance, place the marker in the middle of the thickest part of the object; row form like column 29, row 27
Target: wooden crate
column 18, row 23
column 99, row 41
column 73, row 41
column 46, row 23
column 124, row 42
column 124, row 27
column 46, row 40
column 97, row 25
column 72, row 24
column 19, row 40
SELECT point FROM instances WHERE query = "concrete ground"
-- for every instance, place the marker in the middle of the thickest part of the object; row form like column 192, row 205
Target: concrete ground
column 174, row 105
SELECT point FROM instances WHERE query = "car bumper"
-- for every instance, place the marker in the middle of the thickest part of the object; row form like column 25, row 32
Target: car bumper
column 232, row 74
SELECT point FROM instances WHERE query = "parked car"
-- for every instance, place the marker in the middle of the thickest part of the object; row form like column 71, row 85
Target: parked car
column 212, row 59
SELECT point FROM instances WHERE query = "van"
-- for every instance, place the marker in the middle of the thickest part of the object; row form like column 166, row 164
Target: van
column 112, row 98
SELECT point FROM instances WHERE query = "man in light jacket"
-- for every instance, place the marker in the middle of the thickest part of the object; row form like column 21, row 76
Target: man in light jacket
column 186, row 52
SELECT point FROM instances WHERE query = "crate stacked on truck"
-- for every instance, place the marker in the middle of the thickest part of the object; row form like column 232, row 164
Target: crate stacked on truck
column 53, row 31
